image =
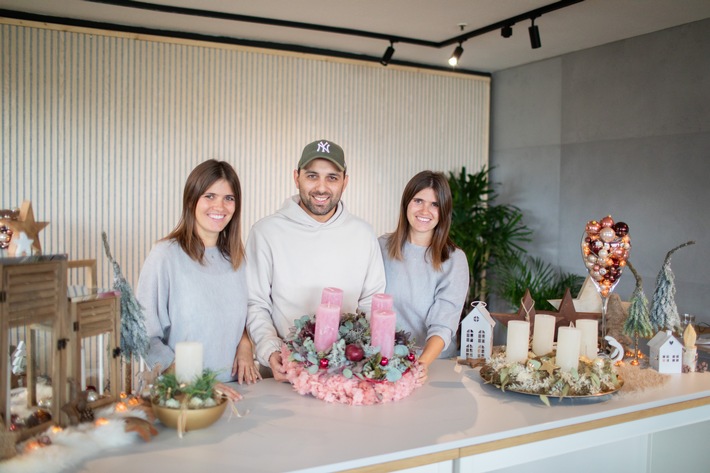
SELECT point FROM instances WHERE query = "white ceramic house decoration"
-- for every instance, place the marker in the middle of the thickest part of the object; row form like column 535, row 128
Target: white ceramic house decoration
column 477, row 332
column 666, row 353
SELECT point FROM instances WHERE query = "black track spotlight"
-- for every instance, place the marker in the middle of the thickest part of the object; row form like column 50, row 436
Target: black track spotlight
column 506, row 31
column 454, row 59
column 387, row 55
column 534, row 35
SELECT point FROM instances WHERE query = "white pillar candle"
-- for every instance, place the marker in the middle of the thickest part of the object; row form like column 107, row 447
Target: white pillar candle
column 543, row 334
column 83, row 367
column 590, row 335
column 101, row 364
column 568, row 343
column 690, row 358
column 516, row 348
column 188, row 361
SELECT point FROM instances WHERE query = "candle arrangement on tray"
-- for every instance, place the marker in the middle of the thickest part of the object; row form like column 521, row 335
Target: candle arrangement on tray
column 348, row 358
column 187, row 399
column 542, row 376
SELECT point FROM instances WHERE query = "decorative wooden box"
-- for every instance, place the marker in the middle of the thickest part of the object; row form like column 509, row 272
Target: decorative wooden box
column 33, row 308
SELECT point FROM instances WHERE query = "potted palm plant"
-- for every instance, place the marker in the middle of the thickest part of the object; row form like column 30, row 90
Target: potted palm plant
column 487, row 232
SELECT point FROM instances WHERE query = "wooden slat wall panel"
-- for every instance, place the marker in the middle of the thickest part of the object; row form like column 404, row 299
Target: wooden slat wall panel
column 100, row 132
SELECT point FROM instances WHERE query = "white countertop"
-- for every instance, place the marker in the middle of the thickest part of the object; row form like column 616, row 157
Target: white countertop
column 286, row 432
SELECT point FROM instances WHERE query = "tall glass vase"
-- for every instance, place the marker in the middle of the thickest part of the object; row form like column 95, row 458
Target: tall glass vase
column 605, row 249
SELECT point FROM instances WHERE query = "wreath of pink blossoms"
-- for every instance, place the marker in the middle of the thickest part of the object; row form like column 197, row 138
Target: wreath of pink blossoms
column 347, row 375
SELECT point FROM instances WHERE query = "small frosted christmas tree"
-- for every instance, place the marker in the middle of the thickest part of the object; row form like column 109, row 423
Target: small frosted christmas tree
column 638, row 322
column 664, row 312
column 134, row 339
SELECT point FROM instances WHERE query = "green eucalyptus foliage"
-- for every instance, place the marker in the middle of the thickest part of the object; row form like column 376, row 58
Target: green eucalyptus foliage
column 488, row 233
column 167, row 387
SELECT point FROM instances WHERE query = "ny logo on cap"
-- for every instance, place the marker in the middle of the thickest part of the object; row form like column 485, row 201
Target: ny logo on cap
column 323, row 146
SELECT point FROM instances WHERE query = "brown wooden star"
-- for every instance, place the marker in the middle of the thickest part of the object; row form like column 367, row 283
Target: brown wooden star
column 25, row 223
column 140, row 426
column 527, row 307
column 569, row 313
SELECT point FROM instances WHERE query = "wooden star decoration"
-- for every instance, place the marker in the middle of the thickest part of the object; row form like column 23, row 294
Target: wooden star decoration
column 23, row 245
column 140, row 426
column 567, row 312
column 527, row 307
column 548, row 366
column 24, row 223
column 588, row 300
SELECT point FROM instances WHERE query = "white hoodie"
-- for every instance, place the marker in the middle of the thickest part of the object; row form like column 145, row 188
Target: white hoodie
column 290, row 259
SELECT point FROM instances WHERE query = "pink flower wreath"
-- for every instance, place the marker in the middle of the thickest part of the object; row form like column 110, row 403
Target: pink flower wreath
column 352, row 391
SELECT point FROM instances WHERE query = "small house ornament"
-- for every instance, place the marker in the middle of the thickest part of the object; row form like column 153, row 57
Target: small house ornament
column 666, row 353
column 477, row 332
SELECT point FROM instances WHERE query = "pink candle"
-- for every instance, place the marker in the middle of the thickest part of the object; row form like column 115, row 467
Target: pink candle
column 332, row 296
column 327, row 324
column 381, row 302
column 382, row 327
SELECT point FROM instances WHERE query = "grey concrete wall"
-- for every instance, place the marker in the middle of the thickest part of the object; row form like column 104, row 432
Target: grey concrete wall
column 620, row 129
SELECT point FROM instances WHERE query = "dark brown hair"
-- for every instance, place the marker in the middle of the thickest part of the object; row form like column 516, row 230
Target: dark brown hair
column 441, row 245
column 229, row 240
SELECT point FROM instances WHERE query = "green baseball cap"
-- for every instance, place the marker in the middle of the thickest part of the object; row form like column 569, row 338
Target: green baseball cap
column 323, row 149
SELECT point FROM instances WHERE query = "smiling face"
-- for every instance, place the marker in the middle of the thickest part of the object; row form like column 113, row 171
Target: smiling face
column 423, row 216
column 320, row 185
column 214, row 210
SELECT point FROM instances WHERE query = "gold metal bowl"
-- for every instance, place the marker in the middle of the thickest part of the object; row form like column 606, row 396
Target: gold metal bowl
column 196, row 418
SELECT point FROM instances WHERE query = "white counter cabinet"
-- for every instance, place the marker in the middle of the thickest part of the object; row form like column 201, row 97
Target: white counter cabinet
column 454, row 424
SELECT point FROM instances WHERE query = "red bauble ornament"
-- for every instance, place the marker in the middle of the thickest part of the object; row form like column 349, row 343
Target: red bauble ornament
column 411, row 357
column 621, row 228
column 323, row 363
column 354, row 352
column 384, row 361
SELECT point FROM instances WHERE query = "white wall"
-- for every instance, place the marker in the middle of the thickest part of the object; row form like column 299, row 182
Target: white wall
column 100, row 131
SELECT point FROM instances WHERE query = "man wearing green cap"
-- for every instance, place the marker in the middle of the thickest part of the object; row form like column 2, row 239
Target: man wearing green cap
column 312, row 242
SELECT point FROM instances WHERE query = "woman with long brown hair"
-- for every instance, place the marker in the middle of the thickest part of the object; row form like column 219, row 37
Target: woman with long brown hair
column 427, row 274
column 193, row 285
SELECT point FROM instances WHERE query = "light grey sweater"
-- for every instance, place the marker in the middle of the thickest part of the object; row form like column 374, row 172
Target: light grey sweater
column 427, row 302
column 186, row 301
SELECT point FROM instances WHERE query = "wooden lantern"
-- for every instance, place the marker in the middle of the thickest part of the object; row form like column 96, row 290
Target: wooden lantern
column 33, row 308
column 95, row 317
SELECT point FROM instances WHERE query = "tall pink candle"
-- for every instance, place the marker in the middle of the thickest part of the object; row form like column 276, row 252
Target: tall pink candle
column 327, row 323
column 381, row 302
column 382, row 327
column 332, row 296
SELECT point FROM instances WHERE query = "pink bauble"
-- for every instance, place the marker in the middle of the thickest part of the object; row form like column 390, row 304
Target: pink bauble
column 593, row 227
column 607, row 222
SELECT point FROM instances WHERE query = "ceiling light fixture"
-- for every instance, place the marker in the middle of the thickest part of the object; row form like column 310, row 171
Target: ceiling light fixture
column 454, row 59
column 506, row 31
column 387, row 55
column 504, row 26
column 534, row 35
